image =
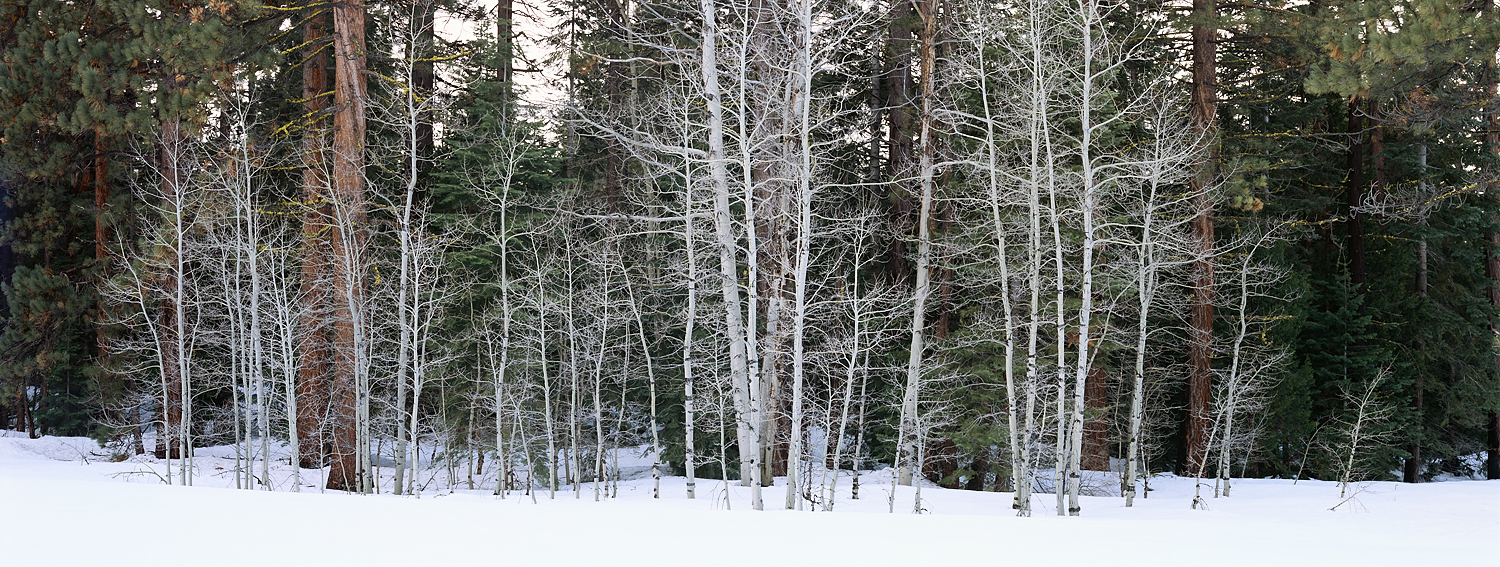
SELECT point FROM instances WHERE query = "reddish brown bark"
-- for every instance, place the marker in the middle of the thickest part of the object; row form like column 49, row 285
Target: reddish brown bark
column 169, row 164
column 1095, row 427
column 347, row 233
column 1201, row 323
column 979, row 471
column 171, row 418
column 101, row 198
column 313, row 363
column 940, row 462
column 23, row 410
column 101, row 254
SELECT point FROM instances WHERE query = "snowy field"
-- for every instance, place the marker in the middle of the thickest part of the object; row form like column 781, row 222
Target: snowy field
column 63, row 503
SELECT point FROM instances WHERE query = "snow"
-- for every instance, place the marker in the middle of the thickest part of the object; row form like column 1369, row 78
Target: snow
column 62, row 502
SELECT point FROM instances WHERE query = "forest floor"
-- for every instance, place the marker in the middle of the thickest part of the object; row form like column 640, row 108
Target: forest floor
column 62, row 502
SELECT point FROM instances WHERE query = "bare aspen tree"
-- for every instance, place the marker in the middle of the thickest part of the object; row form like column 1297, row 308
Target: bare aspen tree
column 1089, row 22
column 746, row 420
column 991, row 169
column 640, row 327
column 246, row 248
column 927, row 12
column 1167, row 160
column 689, row 455
column 1360, row 429
column 499, row 232
column 283, row 301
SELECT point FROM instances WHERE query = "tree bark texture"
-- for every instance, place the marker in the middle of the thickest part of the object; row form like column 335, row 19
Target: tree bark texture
column 1095, row 426
column 1201, row 324
column 312, row 364
column 347, row 196
column 899, row 108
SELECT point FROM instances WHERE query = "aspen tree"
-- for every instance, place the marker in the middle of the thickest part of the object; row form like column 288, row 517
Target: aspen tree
column 927, row 11
column 743, row 386
column 1154, row 243
column 805, row 196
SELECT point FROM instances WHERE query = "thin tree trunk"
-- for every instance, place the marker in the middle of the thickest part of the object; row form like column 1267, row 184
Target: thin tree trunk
column 689, row 455
column 745, row 417
column 926, row 169
column 804, row 255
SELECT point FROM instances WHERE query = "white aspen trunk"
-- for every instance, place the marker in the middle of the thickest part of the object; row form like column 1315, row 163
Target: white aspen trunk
column 1061, row 325
column 723, row 446
column 405, row 320
column 246, row 200
column 497, row 383
column 859, row 436
column 745, row 416
column 613, row 480
column 759, row 412
column 547, row 408
column 230, row 297
column 926, row 170
column 1088, row 204
column 1236, row 375
column 239, row 359
column 283, row 307
column 598, row 404
column 640, row 326
column 689, row 452
column 178, row 298
column 854, row 350
column 804, row 243
column 468, row 447
column 412, row 309
column 293, row 447
column 1036, row 123
column 411, row 350
column 575, row 460
column 502, row 460
column 998, row 226
column 916, row 502
column 1146, row 292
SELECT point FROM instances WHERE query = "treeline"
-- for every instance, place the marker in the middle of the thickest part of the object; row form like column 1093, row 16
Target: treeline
column 995, row 244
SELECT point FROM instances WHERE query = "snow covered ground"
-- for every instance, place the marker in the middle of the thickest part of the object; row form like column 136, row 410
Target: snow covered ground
column 63, row 503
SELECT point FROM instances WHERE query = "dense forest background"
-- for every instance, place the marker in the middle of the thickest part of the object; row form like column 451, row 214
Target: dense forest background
column 991, row 243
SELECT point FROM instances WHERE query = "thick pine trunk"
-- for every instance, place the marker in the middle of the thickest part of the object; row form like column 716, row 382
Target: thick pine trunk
column 167, row 446
column 1200, row 328
column 313, row 350
column 899, row 107
column 347, row 194
column 1095, row 426
column 101, row 233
